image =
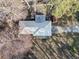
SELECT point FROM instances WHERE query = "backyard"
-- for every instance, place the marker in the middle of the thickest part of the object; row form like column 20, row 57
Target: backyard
column 64, row 13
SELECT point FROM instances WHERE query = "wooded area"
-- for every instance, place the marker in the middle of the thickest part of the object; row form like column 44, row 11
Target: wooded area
column 58, row 46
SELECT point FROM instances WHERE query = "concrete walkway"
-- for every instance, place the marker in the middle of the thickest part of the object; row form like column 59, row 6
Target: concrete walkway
column 60, row 29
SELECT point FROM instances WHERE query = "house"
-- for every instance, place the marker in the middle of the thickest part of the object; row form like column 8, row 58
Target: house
column 38, row 28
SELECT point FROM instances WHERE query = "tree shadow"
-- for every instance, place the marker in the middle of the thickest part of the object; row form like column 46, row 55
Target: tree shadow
column 29, row 55
column 26, row 55
column 77, row 15
column 31, row 15
column 59, row 49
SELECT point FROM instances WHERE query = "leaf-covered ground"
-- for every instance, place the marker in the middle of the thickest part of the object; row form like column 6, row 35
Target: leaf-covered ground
column 59, row 46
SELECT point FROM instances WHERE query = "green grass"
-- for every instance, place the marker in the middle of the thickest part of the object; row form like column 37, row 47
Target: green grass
column 68, row 7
